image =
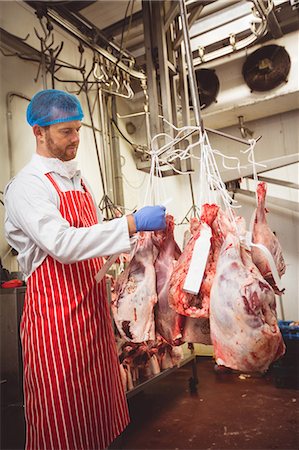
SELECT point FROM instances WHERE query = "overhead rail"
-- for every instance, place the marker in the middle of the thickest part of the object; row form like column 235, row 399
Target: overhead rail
column 88, row 34
column 284, row 183
column 288, row 205
column 262, row 18
column 269, row 164
column 19, row 47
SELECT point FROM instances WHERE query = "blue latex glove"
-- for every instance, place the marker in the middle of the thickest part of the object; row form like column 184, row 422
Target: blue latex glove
column 150, row 218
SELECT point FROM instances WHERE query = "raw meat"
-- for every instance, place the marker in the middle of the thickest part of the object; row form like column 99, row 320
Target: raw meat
column 262, row 234
column 135, row 357
column 168, row 356
column 196, row 331
column 123, row 376
column 168, row 322
column 135, row 293
column 183, row 302
column 243, row 323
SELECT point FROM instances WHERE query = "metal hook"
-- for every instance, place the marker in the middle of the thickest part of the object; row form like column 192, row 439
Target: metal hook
column 25, row 39
column 97, row 68
column 47, row 32
column 116, row 82
column 103, row 76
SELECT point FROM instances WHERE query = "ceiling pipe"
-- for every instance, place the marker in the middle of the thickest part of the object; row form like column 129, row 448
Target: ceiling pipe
column 190, row 66
column 192, row 84
column 263, row 15
column 192, row 19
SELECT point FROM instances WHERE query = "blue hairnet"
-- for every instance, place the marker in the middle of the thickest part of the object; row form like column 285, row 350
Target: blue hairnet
column 53, row 106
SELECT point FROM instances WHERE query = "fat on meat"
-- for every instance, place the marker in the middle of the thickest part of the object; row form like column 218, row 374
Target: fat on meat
column 168, row 322
column 135, row 293
column 262, row 234
column 185, row 303
column 243, row 322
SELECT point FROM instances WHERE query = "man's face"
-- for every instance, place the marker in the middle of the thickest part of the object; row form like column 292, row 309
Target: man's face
column 62, row 140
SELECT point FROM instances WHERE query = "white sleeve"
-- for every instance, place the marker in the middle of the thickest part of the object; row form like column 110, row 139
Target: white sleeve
column 30, row 208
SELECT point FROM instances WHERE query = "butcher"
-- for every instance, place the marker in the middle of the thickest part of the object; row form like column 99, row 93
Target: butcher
column 74, row 398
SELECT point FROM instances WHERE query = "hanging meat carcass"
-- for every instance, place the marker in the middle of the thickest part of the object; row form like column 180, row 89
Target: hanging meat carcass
column 243, row 322
column 168, row 321
column 197, row 330
column 186, row 303
column 169, row 324
column 135, row 293
column 262, row 234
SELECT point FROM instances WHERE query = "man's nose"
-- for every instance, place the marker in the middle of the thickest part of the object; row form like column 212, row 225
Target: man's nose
column 75, row 136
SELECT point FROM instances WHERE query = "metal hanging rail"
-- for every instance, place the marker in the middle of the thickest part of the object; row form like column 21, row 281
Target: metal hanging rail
column 59, row 19
column 228, row 136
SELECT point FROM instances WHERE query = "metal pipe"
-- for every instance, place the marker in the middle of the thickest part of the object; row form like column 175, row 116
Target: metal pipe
column 126, row 116
column 228, row 136
column 116, row 161
column 191, row 72
column 192, row 18
column 175, row 142
column 103, row 127
column 284, row 183
column 8, row 118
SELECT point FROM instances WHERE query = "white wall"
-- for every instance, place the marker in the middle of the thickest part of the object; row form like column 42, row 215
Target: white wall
column 18, row 78
column 279, row 137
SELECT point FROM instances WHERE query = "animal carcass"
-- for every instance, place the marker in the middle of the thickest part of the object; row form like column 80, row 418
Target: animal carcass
column 168, row 321
column 262, row 234
column 135, row 293
column 185, row 303
column 243, row 323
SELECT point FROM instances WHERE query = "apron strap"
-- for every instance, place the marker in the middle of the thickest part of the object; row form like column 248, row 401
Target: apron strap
column 49, row 176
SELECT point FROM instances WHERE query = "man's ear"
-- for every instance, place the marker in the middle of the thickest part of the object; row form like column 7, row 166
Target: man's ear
column 38, row 131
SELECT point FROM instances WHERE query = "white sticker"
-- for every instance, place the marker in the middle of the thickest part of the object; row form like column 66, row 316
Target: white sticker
column 199, row 260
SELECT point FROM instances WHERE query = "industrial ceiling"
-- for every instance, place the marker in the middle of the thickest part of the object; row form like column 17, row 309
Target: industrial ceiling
column 216, row 27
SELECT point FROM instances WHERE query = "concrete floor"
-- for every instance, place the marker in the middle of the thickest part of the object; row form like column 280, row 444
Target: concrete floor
column 228, row 411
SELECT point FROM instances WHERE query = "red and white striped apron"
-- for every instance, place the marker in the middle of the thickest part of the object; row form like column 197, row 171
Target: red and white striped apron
column 74, row 398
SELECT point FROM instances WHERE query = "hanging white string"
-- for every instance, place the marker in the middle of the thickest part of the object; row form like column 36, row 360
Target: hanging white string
column 216, row 185
column 224, row 157
column 185, row 153
column 251, row 160
column 211, row 187
column 155, row 191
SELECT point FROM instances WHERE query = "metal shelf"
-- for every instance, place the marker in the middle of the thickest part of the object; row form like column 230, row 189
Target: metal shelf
column 144, row 384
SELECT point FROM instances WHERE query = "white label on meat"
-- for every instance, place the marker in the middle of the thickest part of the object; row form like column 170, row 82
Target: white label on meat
column 199, row 260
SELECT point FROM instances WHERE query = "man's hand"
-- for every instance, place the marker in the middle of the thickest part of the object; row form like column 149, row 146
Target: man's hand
column 150, row 218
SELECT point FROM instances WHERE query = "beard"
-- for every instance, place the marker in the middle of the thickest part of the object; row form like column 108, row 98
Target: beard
column 62, row 152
